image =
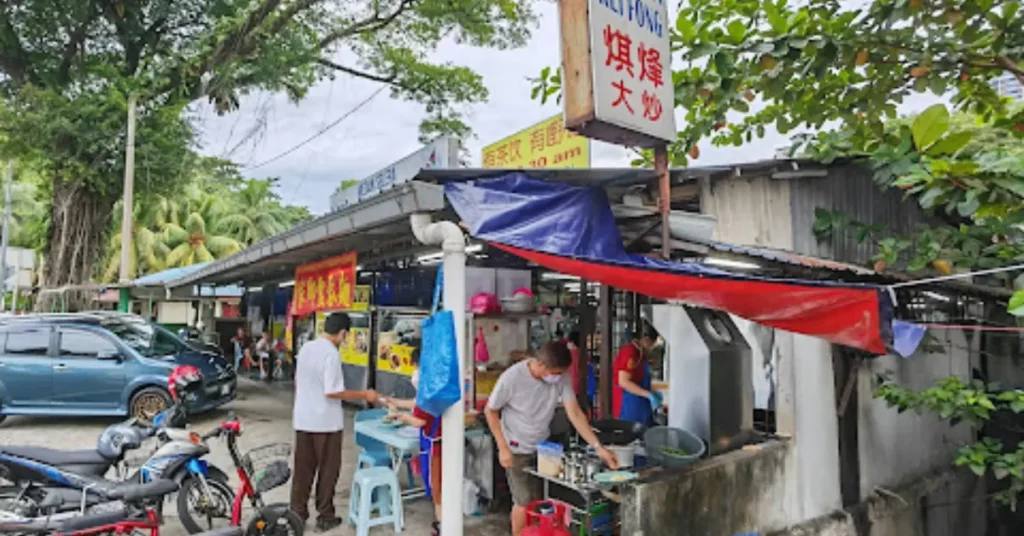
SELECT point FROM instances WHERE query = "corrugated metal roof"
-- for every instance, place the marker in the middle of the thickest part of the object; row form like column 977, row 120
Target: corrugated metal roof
column 161, row 279
column 789, row 257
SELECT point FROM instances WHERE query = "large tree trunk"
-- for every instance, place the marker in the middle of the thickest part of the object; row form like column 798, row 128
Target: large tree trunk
column 76, row 239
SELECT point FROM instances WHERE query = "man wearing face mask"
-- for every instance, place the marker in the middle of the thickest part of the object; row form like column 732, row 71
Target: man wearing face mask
column 519, row 413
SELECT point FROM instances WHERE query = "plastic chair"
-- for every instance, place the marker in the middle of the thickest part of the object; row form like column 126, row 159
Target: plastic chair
column 364, row 500
column 375, row 453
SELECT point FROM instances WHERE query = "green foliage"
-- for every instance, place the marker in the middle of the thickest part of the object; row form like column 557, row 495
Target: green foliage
column 213, row 213
column 67, row 69
column 840, row 71
column 956, row 401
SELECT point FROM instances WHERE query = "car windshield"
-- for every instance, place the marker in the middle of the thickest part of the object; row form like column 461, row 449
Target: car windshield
column 147, row 339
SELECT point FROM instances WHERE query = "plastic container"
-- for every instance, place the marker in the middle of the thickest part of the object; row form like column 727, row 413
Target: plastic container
column 549, row 458
column 661, row 437
column 548, row 523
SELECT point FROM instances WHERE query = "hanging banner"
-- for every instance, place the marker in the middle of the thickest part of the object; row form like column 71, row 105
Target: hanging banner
column 356, row 350
column 325, row 285
column 544, row 145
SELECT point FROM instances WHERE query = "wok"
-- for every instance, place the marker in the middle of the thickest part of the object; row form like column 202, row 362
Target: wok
column 618, row 432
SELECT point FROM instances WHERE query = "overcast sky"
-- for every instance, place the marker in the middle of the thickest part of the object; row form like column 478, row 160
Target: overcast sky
column 385, row 130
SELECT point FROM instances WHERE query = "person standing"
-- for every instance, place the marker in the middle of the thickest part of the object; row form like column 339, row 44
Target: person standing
column 319, row 421
column 264, row 347
column 519, row 413
column 632, row 397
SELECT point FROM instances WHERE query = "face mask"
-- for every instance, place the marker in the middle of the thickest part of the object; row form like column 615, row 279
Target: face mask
column 416, row 379
column 553, row 378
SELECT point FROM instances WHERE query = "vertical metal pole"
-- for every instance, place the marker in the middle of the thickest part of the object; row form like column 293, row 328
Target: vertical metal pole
column 664, row 196
column 604, row 375
column 129, row 192
column 6, row 238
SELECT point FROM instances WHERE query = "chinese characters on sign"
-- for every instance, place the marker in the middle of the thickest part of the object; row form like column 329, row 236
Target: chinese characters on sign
column 630, row 44
column 544, row 145
column 325, row 285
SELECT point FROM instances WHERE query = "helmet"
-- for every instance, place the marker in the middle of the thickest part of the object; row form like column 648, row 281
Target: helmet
column 183, row 380
column 523, row 290
column 484, row 303
column 118, row 438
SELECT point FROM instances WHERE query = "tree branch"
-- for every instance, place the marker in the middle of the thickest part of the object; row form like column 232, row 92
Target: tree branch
column 370, row 24
column 390, row 80
column 1011, row 66
column 75, row 40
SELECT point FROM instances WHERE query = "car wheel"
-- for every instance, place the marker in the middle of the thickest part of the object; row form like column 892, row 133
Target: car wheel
column 147, row 403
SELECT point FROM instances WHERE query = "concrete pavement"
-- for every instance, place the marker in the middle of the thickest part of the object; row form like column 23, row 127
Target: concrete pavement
column 265, row 412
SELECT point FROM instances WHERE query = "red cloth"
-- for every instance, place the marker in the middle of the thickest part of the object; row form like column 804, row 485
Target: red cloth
column 420, row 414
column 629, row 360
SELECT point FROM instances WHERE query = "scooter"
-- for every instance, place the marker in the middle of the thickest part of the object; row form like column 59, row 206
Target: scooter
column 260, row 470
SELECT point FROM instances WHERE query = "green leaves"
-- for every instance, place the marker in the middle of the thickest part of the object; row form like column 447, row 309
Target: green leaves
column 1016, row 305
column 930, row 125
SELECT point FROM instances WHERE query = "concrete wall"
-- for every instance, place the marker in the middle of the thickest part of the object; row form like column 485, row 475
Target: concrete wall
column 895, row 447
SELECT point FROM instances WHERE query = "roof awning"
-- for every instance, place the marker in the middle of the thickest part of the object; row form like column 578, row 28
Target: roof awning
column 366, row 227
column 571, row 229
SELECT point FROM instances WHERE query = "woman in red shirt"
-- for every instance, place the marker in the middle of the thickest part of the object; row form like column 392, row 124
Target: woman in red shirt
column 632, row 397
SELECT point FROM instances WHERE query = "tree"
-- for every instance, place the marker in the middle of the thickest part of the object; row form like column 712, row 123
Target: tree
column 68, row 67
column 842, row 72
column 260, row 213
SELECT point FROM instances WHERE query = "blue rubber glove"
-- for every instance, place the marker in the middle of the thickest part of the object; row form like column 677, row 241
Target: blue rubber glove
column 655, row 399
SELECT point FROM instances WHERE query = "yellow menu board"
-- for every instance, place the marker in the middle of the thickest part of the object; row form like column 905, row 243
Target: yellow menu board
column 356, row 350
column 544, row 145
column 393, row 357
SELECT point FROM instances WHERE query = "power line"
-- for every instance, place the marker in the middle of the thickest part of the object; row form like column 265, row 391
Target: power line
column 320, row 132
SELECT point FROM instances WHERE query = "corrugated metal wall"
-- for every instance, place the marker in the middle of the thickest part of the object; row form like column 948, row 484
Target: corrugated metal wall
column 849, row 189
column 751, row 211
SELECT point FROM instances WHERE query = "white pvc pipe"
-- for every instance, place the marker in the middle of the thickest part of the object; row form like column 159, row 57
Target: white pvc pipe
column 453, row 424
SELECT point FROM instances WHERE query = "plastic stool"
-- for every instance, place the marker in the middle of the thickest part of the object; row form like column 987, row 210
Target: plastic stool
column 362, row 503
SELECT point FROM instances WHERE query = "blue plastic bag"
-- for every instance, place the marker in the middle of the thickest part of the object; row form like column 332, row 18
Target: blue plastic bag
column 439, row 386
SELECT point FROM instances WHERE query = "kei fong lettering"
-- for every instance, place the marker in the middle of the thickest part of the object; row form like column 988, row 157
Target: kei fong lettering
column 645, row 14
column 647, row 67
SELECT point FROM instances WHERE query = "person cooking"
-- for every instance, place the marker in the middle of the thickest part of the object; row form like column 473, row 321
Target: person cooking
column 519, row 413
column 632, row 397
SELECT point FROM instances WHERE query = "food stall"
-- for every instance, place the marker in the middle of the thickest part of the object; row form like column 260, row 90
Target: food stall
column 397, row 336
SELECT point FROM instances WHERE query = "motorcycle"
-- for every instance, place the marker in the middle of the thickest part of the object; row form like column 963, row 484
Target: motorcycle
column 23, row 514
column 260, row 470
column 178, row 458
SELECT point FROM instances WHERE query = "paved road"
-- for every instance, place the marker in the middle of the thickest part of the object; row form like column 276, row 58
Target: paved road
column 265, row 413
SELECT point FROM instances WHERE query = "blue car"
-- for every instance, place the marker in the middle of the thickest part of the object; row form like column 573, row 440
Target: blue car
column 100, row 364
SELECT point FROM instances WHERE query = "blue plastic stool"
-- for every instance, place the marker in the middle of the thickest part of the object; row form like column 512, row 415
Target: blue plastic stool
column 388, row 503
column 375, row 453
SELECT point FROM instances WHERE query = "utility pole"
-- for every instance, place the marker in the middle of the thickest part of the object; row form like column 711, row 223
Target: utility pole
column 6, row 237
column 126, row 205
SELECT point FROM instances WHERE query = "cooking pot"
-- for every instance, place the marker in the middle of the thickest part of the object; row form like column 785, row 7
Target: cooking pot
column 618, row 432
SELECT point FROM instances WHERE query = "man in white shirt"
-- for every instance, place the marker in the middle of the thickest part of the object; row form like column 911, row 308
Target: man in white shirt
column 319, row 420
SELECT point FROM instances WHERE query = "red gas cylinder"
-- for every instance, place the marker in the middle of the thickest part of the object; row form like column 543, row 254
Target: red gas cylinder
column 544, row 518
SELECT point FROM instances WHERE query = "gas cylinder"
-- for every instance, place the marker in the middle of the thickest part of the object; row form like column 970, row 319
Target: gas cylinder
column 544, row 518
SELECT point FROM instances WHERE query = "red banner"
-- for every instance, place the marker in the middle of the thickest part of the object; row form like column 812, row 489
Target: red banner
column 325, row 285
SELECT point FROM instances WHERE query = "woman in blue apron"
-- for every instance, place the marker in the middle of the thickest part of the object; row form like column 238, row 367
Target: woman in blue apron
column 632, row 373
column 430, row 454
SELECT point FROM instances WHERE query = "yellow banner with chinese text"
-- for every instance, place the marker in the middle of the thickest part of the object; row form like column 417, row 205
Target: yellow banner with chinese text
column 325, row 285
column 356, row 350
column 544, row 145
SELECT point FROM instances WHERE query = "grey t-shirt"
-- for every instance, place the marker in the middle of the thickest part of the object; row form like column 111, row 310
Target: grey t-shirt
column 527, row 406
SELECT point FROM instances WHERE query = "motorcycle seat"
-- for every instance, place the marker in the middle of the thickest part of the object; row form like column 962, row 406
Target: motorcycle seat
column 57, row 457
column 138, row 492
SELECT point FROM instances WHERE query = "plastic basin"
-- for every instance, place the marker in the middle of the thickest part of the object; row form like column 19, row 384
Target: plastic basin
column 661, row 437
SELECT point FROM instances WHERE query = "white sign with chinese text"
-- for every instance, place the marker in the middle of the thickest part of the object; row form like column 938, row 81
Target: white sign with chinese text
column 632, row 66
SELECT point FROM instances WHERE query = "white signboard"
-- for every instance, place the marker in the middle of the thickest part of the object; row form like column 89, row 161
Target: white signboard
column 632, row 66
column 440, row 153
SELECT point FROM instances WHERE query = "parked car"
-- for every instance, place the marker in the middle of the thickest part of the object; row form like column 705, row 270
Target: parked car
column 100, row 364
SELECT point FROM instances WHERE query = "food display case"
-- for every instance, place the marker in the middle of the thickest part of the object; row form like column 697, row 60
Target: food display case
column 398, row 334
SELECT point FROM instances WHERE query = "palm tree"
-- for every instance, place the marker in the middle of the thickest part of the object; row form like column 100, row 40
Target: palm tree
column 196, row 231
column 150, row 214
column 259, row 213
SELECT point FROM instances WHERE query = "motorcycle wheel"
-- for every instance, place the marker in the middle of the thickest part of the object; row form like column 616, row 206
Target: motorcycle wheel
column 199, row 512
column 288, row 524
